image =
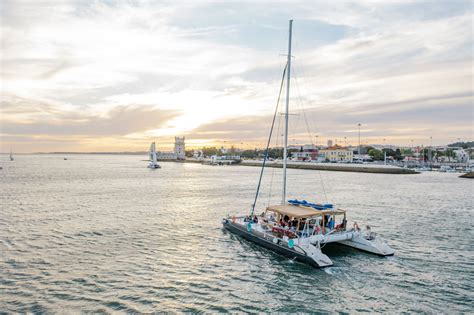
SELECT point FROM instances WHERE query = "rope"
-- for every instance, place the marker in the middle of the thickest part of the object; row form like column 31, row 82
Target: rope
column 268, row 143
column 273, row 168
column 308, row 130
column 302, row 107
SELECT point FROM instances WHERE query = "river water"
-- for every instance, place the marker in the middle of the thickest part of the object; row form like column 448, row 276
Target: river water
column 102, row 233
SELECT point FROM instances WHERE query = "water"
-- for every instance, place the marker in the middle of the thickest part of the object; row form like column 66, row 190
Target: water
column 101, row 233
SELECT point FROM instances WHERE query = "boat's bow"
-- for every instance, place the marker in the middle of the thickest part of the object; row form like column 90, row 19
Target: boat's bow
column 369, row 242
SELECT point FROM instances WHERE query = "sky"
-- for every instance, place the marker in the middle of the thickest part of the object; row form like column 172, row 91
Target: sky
column 115, row 75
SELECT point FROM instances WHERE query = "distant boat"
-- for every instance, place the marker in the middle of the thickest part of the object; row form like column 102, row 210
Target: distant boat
column 153, row 161
column 11, row 156
column 65, row 159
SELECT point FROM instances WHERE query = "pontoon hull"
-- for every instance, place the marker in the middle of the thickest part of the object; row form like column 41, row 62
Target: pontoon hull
column 355, row 240
column 284, row 251
column 370, row 246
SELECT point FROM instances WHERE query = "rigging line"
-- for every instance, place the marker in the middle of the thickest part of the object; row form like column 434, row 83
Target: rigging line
column 276, row 146
column 302, row 107
column 303, row 75
column 268, row 143
column 322, row 184
column 309, row 133
column 273, row 168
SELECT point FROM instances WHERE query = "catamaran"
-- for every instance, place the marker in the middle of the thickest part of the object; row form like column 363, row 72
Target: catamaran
column 298, row 229
column 153, row 160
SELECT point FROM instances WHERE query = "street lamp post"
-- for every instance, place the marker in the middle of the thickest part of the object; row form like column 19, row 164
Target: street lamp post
column 359, row 137
column 431, row 151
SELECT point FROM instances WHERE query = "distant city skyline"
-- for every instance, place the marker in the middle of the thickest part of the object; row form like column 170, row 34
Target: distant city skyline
column 117, row 75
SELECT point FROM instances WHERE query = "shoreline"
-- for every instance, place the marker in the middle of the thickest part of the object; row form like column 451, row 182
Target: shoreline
column 327, row 167
column 336, row 168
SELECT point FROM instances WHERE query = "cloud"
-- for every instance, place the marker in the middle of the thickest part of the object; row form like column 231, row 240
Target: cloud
column 45, row 119
column 397, row 121
column 133, row 70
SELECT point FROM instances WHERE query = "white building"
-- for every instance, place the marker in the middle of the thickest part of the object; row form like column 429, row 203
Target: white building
column 336, row 154
column 179, row 148
column 179, row 152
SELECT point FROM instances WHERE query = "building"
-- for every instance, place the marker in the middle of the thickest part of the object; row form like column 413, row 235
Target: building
column 179, row 152
column 329, row 143
column 307, row 152
column 304, row 156
column 336, row 154
column 179, row 148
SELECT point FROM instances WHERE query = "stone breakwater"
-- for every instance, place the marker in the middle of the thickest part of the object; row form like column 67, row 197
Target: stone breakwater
column 361, row 168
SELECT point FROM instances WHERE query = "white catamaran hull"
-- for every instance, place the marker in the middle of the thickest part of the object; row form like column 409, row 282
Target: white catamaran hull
column 356, row 240
column 374, row 246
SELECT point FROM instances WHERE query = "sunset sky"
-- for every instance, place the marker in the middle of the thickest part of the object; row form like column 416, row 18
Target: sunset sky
column 116, row 75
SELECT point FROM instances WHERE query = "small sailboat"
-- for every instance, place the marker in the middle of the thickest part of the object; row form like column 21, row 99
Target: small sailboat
column 153, row 160
column 11, row 156
column 298, row 229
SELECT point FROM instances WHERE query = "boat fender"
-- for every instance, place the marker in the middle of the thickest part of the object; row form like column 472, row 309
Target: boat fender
column 318, row 229
column 233, row 219
column 249, row 227
column 291, row 243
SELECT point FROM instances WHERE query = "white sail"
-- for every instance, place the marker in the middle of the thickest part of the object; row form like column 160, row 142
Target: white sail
column 151, row 151
column 153, row 157
column 154, row 154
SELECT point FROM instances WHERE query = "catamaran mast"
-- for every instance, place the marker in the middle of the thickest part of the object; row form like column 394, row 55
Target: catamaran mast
column 285, row 148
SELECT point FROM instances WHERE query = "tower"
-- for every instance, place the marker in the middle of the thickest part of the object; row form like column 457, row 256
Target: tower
column 179, row 148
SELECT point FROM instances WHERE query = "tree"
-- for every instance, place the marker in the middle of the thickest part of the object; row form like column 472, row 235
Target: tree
column 275, row 153
column 249, row 154
column 395, row 154
column 209, row 151
column 389, row 152
column 407, row 152
column 450, row 154
column 398, row 155
column 376, row 154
